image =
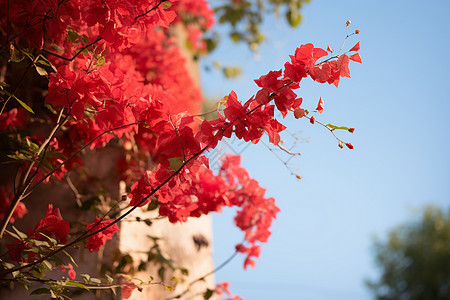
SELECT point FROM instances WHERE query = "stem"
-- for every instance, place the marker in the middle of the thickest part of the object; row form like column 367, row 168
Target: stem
column 20, row 82
column 26, row 181
column 150, row 10
column 223, row 264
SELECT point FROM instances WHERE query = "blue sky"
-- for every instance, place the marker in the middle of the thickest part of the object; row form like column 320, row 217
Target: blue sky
column 321, row 243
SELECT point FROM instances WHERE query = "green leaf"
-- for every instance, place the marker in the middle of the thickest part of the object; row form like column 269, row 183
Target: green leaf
column 48, row 264
column 166, row 4
column 184, row 271
column 40, row 243
column 70, row 257
column 19, row 233
column 77, row 284
column 208, row 294
column 293, row 19
column 51, row 240
column 58, row 261
column 16, row 55
column 23, row 104
column 176, row 163
column 12, row 233
column 95, row 280
column 50, row 108
column 109, row 279
column 86, row 277
column 40, row 291
column 56, row 47
column 73, row 36
column 41, row 71
column 142, row 266
column 100, row 62
column 19, row 157
column 85, row 39
column 334, row 127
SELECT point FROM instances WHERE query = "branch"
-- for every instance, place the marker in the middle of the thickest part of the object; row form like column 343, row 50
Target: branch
column 26, row 181
column 150, row 10
column 223, row 264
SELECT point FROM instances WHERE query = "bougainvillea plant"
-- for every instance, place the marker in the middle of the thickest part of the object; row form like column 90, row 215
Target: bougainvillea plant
column 83, row 75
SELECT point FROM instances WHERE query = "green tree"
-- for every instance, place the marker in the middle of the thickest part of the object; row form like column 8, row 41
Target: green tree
column 415, row 260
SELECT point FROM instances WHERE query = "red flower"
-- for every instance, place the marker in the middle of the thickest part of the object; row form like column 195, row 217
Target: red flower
column 127, row 289
column 351, row 130
column 312, row 120
column 319, row 108
column 97, row 240
column 52, row 225
column 349, row 146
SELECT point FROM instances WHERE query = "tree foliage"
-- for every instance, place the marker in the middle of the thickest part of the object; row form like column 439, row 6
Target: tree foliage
column 415, row 260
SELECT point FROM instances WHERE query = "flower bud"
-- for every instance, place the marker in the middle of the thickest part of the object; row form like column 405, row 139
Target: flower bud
column 351, row 130
column 356, row 31
column 348, row 23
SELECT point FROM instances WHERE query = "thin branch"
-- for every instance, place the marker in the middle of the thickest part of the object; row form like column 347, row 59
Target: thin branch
column 150, row 10
column 79, row 51
column 26, row 181
column 201, row 278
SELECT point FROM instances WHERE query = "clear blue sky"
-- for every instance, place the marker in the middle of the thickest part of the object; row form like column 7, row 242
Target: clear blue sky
column 398, row 102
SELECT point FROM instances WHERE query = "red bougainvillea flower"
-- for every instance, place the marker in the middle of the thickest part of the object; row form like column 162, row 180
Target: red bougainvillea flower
column 72, row 274
column 127, row 289
column 319, row 108
column 5, row 200
column 52, row 225
column 97, row 240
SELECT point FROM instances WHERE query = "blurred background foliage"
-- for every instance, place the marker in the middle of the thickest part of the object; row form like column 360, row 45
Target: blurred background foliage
column 415, row 259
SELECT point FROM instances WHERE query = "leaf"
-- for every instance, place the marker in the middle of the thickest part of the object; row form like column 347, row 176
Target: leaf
column 16, row 55
column 48, row 264
column 23, row 104
column 51, row 240
column 184, row 271
column 56, row 47
column 100, row 62
column 41, row 71
column 9, row 232
column 208, row 294
column 40, row 243
column 40, row 291
column 77, row 284
column 95, row 280
column 166, row 4
column 334, row 127
column 109, row 279
column 176, row 163
column 86, row 277
column 70, row 257
column 169, row 288
column 19, row 233
column 50, row 108
column 222, row 101
column 58, row 261
column 293, row 19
